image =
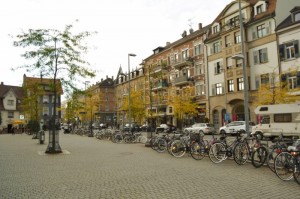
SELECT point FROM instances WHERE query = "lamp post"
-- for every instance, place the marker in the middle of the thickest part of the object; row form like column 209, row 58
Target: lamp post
column 129, row 101
column 85, row 110
column 242, row 57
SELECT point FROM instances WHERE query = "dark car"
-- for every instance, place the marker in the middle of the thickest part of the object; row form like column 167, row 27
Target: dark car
column 167, row 128
column 134, row 128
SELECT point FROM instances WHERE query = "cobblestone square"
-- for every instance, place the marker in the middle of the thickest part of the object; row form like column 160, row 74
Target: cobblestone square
column 91, row 168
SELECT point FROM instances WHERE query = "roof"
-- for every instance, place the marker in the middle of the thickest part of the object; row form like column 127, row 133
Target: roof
column 42, row 81
column 288, row 21
column 4, row 89
column 278, row 108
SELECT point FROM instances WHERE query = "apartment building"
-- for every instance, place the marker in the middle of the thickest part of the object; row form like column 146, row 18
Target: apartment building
column 173, row 68
column 42, row 106
column 10, row 107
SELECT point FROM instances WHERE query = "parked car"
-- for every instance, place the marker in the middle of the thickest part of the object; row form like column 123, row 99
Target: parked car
column 205, row 128
column 235, row 126
column 134, row 127
column 167, row 128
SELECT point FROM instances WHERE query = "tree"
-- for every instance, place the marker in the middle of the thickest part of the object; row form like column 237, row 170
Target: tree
column 57, row 55
column 183, row 105
column 273, row 92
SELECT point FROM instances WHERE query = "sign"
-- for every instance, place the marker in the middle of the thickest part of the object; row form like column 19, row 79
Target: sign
column 227, row 117
column 22, row 117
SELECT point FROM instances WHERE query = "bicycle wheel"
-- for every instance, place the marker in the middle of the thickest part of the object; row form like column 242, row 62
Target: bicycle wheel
column 259, row 157
column 197, row 151
column 153, row 143
column 161, row 145
column 118, row 138
column 296, row 172
column 178, row 149
column 217, row 152
column 142, row 139
column 284, row 166
column 271, row 159
column 241, row 153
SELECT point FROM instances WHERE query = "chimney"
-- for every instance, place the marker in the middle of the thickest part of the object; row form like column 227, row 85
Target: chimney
column 106, row 76
column 112, row 77
column 168, row 43
column 2, row 83
column 200, row 26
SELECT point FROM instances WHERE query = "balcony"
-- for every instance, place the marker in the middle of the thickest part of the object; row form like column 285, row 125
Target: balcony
column 182, row 80
column 159, row 86
column 159, row 69
column 182, row 62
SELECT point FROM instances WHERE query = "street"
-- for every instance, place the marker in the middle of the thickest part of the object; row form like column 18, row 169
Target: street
column 92, row 168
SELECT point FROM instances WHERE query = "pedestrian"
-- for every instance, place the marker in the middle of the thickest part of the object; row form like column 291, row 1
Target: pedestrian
column 12, row 130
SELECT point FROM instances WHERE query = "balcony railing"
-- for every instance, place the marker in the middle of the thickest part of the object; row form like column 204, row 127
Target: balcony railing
column 160, row 85
column 182, row 80
column 182, row 62
column 157, row 69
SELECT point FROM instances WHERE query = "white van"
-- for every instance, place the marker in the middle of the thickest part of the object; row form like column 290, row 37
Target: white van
column 276, row 119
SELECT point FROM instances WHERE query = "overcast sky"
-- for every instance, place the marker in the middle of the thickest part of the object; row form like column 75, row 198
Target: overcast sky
column 123, row 26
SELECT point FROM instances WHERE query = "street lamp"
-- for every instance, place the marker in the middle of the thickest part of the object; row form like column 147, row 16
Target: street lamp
column 242, row 57
column 129, row 101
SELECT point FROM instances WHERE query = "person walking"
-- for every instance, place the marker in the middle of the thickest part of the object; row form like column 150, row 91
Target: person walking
column 12, row 130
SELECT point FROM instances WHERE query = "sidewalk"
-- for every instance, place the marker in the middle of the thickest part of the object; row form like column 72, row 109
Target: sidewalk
column 101, row 169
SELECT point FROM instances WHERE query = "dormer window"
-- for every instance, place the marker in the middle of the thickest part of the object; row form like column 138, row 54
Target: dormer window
column 215, row 29
column 260, row 7
column 297, row 17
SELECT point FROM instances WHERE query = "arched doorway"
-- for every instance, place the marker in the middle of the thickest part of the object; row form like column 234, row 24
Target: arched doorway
column 239, row 113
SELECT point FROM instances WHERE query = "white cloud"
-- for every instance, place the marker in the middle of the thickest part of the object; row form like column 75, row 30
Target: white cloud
column 123, row 26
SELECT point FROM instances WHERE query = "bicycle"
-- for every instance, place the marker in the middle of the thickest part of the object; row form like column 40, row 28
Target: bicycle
column 239, row 149
column 287, row 163
column 200, row 148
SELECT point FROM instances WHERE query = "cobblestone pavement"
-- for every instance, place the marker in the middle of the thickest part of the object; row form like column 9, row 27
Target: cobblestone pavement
column 91, row 168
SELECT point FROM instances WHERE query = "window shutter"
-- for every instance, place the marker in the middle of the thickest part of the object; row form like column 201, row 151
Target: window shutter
column 211, row 50
column 255, row 56
column 257, row 82
column 254, row 35
column 213, row 90
column 281, row 52
column 296, row 46
column 215, row 67
column 265, row 54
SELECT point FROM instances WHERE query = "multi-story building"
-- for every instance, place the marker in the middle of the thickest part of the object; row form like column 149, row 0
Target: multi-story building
column 136, row 80
column 10, row 107
column 43, row 88
column 173, row 68
column 288, row 32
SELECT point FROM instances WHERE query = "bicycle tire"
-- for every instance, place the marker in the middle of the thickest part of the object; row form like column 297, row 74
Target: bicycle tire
column 161, row 145
column 259, row 157
column 217, row 152
column 296, row 172
column 178, row 149
column 118, row 138
column 197, row 151
column 142, row 139
column 241, row 153
column 271, row 159
column 284, row 166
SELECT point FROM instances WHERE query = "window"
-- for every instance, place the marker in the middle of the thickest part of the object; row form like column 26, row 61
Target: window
column 197, row 49
column 227, row 41
column 297, row 17
column 10, row 114
column 289, row 50
column 45, row 110
column 200, row 89
column 264, row 79
column 260, row 56
column 176, row 57
column 292, row 82
column 218, row 68
column 261, row 31
column 283, row 117
column 219, row 89
column 45, row 99
column 185, row 54
column 199, row 69
column 216, row 47
column 239, row 63
column 10, row 102
column 215, row 29
column 230, row 84
column 234, row 21
column 170, row 110
column 237, row 37
column 229, row 62
column 240, row 82
column 259, row 9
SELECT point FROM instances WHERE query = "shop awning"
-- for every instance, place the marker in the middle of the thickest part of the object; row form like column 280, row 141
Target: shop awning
column 18, row 122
